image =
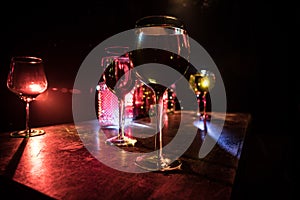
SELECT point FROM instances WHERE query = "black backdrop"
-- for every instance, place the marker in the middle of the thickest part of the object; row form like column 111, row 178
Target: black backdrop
column 248, row 40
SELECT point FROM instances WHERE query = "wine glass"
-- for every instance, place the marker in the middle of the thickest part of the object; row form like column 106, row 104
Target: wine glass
column 161, row 41
column 107, row 102
column 118, row 78
column 27, row 79
column 201, row 83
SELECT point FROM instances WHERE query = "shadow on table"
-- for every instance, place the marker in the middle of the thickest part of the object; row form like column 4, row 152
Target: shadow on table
column 12, row 190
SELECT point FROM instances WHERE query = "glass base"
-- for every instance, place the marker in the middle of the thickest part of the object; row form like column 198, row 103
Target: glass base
column 25, row 134
column 121, row 141
column 205, row 116
column 152, row 163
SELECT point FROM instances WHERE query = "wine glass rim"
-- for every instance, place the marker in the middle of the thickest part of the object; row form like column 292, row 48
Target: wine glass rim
column 169, row 21
column 26, row 59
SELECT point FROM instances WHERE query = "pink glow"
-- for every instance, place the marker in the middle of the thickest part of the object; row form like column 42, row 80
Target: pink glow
column 36, row 87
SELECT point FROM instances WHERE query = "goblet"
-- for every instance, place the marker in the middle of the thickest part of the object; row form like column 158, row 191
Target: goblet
column 27, row 80
column 201, row 83
column 161, row 41
column 118, row 78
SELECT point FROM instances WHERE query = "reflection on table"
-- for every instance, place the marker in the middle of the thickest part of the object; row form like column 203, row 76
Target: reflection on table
column 72, row 161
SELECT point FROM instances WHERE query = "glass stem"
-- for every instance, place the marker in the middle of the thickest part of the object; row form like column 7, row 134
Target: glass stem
column 199, row 104
column 204, row 104
column 159, row 125
column 204, row 112
column 121, row 118
column 27, row 120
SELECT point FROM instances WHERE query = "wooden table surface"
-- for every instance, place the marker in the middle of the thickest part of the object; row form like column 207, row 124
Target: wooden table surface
column 72, row 161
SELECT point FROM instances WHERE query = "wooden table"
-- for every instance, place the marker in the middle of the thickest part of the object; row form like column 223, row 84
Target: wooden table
column 72, row 161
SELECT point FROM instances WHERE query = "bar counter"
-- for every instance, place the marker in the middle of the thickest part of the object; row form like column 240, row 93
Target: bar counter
column 72, row 161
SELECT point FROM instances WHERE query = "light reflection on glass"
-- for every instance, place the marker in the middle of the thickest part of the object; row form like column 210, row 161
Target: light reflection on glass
column 35, row 87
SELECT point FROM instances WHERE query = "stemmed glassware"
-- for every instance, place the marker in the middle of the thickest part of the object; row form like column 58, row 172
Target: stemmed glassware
column 201, row 83
column 119, row 79
column 27, row 79
column 161, row 41
column 107, row 102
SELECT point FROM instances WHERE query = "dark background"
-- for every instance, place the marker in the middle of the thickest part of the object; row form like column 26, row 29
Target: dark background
column 248, row 40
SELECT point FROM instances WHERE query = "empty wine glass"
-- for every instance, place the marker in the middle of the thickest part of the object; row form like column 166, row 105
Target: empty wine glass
column 118, row 78
column 201, row 83
column 161, row 41
column 27, row 79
